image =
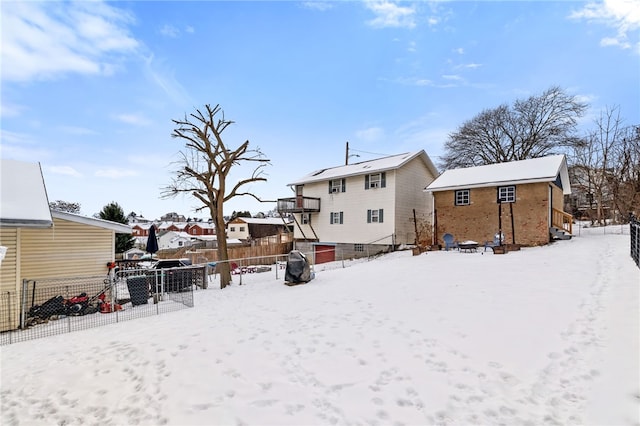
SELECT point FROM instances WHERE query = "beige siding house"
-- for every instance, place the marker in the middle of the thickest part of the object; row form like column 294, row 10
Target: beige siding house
column 523, row 199
column 360, row 208
column 44, row 244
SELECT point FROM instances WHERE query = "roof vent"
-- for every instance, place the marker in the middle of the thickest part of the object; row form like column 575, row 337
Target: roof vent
column 319, row 172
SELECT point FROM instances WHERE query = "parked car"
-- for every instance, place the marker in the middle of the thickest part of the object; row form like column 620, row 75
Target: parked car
column 176, row 274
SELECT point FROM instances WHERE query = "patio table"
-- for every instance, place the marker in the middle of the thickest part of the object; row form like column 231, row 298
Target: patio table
column 468, row 246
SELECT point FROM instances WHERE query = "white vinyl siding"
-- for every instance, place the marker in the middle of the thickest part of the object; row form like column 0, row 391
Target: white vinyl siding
column 410, row 181
column 402, row 194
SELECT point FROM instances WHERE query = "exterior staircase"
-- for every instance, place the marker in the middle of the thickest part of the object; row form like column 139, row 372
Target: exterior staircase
column 559, row 234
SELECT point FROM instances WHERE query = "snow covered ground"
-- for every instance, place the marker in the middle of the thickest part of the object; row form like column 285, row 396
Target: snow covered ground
column 546, row 335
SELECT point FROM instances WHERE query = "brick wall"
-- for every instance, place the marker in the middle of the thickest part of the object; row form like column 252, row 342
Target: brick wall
column 479, row 220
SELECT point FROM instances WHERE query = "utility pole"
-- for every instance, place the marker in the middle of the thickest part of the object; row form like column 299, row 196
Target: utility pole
column 346, row 155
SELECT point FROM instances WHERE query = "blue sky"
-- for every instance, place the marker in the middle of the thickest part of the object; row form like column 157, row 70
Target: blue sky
column 89, row 89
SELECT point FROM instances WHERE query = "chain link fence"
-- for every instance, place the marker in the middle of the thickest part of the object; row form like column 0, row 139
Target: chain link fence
column 53, row 306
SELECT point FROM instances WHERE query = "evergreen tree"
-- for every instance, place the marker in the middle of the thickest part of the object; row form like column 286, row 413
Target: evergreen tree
column 114, row 213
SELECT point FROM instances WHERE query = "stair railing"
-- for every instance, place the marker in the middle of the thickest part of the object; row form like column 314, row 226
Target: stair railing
column 562, row 220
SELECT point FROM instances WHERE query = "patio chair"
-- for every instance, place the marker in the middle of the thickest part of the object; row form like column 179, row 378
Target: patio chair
column 497, row 241
column 449, row 242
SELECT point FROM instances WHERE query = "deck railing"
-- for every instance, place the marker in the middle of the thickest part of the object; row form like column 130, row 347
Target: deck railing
column 562, row 220
column 298, row 205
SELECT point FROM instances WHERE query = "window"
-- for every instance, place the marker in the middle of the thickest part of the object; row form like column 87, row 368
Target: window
column 462, row 197
column 232, row 229
column 375, row 216
column 305, row 218
column 336, row 218
column 242, row 229
column 507, row 194
column 375, row 180
column 358, row 247
column 336, row 186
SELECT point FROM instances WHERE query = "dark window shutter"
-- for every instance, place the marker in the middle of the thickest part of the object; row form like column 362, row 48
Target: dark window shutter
column 329, row 187
column 366, row 182
column 368, row 216
column 331, row 218
column 344, row 185
column 383, row 180
column 380, row 215
column 341, row 218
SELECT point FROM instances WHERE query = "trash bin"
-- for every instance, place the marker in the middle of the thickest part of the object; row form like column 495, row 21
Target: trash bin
column 138, row 290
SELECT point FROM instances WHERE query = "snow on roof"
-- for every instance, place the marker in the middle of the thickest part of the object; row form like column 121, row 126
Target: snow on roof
column 23, row 195
column 262, row 221
column 119, row 228
column 543, row 169
column 366, row 167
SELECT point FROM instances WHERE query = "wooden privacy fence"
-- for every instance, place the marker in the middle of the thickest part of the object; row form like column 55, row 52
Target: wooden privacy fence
column 269, row 254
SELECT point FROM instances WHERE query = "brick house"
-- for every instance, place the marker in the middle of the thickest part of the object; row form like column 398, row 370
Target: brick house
column 524, row 199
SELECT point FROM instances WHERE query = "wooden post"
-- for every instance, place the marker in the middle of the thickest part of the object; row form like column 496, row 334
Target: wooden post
column 513, row 228
column 415, row 224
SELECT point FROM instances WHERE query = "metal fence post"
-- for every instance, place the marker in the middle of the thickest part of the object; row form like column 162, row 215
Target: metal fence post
column 23, row 304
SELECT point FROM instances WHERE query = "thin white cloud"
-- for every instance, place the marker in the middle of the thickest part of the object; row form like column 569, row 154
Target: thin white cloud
column 10, row 110
column 167, row 82
column 621, row 15
column 115, row 173
column 452, row 77
column 372, row 134
column 75, row 130
column 134, row 119
column 21, row 146
column 459, row 51
column 63, row 170
column 189, row 29
column 389, row 14
column 43, row 40
column 169, row 31
column 317, row 5
column 469, row 66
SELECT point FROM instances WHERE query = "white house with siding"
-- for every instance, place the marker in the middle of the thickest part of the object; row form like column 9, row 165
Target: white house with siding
column 352, row 210
column 174, row 240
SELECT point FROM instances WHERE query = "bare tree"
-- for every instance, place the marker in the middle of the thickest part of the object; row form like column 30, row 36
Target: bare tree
column 626, row 189
column 531, row 128
column 204, row 167
column 65, row 206
column 606, row 169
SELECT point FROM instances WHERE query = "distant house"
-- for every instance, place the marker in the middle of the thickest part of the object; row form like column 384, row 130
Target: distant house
column 173, row 240
column 200, row 228
column 246, row 228
column 361, row 208
column 133, row 253
column 41, row 243
column 524, row 199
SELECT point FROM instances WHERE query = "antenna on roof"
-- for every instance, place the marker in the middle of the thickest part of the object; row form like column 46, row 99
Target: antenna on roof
column 346, row 157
